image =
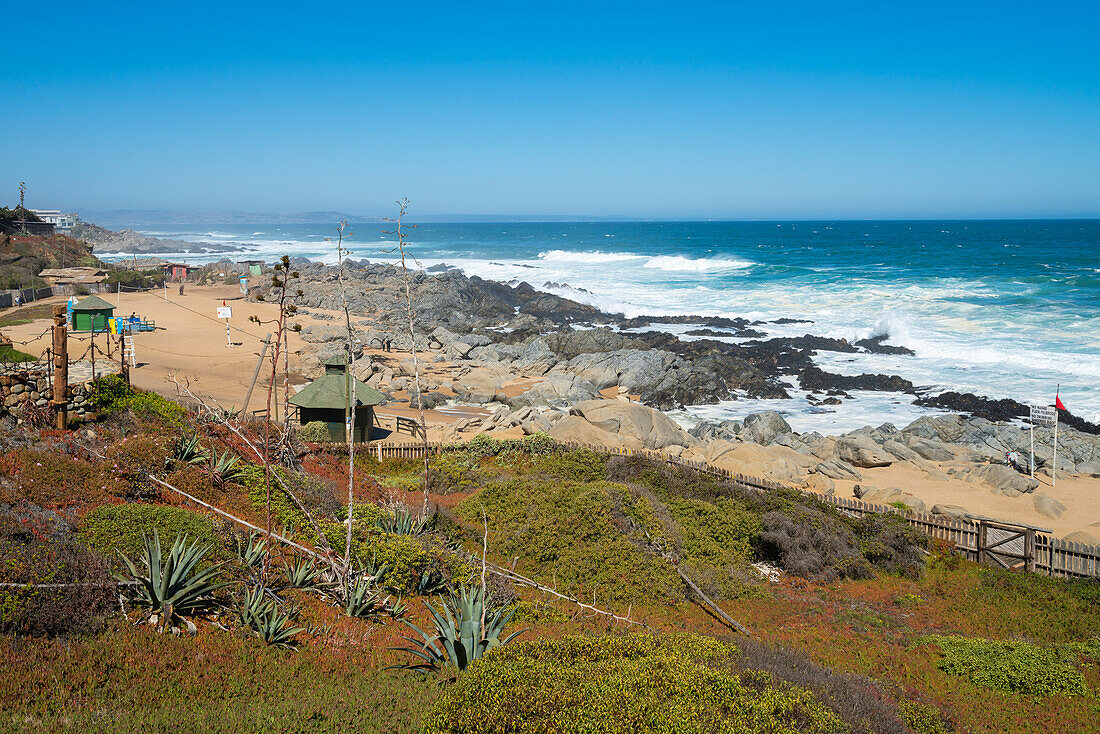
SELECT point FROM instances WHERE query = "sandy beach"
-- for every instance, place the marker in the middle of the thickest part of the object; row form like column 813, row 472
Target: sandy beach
column 190, row 344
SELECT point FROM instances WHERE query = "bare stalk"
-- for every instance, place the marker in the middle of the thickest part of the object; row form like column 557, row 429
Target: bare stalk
column 349, row 394
column 403, row 205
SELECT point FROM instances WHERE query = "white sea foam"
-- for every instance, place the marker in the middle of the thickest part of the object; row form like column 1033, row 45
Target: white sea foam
column 566, row 256
column 679, row 263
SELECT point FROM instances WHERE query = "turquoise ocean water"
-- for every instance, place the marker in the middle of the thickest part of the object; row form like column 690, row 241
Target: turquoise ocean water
column 998, row 308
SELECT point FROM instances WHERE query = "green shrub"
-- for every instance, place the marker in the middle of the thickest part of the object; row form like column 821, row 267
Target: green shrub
column 120, row 527
column 1011, row 666
column 314, row 432
column 676, row 683
column 450, row 473
column 566, row 532
column 111, row 393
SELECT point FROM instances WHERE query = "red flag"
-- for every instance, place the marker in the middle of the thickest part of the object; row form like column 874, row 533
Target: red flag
column 1058, row 402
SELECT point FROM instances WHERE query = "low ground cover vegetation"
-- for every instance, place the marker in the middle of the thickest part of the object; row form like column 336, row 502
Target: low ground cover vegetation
column 868, row 629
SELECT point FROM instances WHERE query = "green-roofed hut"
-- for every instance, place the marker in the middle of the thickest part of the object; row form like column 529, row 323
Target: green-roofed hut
column 91, row 314
column 325, row 400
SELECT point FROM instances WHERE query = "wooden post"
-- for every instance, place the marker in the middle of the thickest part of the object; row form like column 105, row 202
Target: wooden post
column 1029, row 550
column 981, row 541
column 60, row 367
column 122, row 356
column 255, row 374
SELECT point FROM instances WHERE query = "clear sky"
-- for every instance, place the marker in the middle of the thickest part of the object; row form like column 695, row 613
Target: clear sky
column 733, row 110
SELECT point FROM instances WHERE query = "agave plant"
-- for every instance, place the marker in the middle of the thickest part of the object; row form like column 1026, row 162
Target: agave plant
column 402, row 522
column 254, row 553
column 362, row 599
column 302, row 573
column 225, row 468
column 257, row 611
column 169, row 589
column 461, row 635
column 188, row 450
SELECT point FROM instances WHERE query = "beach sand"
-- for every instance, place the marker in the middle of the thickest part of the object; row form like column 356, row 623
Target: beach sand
column 190, row 344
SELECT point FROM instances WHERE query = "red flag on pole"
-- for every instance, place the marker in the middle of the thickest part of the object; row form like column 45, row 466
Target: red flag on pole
column 1058, row 402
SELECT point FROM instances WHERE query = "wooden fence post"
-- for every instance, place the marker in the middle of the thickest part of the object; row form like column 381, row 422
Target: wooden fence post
column 60, row 367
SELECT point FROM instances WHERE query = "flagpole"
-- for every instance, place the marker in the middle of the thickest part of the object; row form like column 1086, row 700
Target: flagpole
column 1054, row 472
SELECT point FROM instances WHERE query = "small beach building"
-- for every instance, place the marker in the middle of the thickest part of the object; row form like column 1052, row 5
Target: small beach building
column 255, row 267
column 91, row 314
column 177, row 271
column 325, row 400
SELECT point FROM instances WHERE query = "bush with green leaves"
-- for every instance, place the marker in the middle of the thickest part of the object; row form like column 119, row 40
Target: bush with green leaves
column 167, row 588
column 569, row 533
column 1012, row 666
column 314, row 432
column 111, row 393
column 669, row 684
column 110, row 528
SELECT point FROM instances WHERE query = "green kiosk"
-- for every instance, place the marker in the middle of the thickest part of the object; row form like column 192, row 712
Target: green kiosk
column 325, row 400
column 91, row 314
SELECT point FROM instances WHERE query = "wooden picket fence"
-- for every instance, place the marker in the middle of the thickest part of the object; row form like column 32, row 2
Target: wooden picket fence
column 980, row 539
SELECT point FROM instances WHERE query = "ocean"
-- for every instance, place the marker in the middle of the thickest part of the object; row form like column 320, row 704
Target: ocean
column 997, row 308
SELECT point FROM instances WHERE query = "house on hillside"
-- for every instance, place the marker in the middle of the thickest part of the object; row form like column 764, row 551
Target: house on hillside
column 62, row 221
column 255, row 267
column 325, row 400
column 71, row 278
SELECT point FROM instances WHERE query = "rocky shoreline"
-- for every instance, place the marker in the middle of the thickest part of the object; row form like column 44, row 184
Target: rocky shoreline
column 580, row 350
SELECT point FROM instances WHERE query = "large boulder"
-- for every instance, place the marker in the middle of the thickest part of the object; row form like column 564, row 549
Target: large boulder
column 653, row 429
column 901, row 451
column 1047, row 506
column 558, row 390
column 776, row 463
column 575, row 429
column 1005, row 480
column 956, row 512
column 764, row 428
column 837, row 469
column 929, row 449
column 1084, row 537
column 861, row 451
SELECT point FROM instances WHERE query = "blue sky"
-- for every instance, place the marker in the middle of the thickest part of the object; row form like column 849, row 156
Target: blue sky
column 728, row 110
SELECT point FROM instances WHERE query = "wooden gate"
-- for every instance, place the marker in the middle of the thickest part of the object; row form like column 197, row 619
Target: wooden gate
column 1005, row 545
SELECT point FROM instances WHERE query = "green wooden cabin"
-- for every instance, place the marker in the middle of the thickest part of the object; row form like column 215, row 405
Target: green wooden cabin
column 325, row 400
column 91, row 314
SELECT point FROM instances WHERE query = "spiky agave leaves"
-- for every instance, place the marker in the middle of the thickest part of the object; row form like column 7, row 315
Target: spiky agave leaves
column 254, row 553
column 459, row 637
column 302, row 573
column 170, row 589
column 402, row 522
column 224, row 468
column 259, row 612
column 188, row 450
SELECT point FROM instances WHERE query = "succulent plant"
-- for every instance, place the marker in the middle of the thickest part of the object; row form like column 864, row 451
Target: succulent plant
column 466, row 626
column 170, row 588
column 225, row 468
column 259, row 612
column 188, row 450
column 255, row 552
column 302, row 573
column 402, row 522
